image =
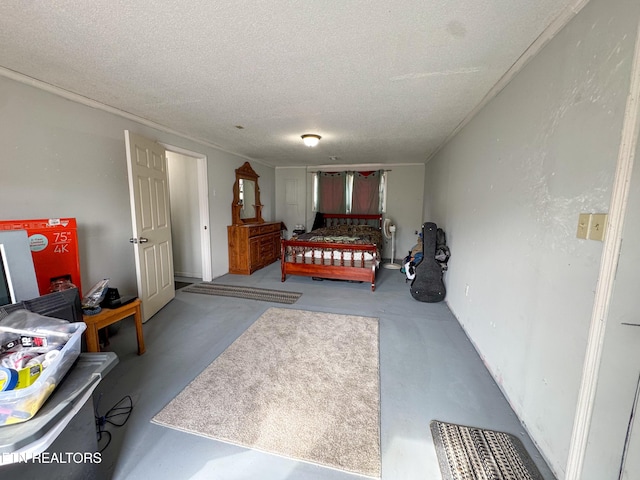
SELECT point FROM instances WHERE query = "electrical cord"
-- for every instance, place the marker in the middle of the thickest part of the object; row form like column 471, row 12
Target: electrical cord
column 116, row 416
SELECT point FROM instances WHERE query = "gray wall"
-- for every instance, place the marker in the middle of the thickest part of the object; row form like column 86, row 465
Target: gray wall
column 64, row 159
column 508, row 190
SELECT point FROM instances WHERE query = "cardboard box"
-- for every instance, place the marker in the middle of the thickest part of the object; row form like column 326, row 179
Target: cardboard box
column 54, row 248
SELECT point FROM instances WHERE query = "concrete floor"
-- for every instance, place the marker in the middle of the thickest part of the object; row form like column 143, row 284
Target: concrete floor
column 428, row 370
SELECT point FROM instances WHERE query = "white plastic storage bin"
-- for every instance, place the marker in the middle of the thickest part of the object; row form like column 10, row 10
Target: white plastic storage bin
column 22, row 404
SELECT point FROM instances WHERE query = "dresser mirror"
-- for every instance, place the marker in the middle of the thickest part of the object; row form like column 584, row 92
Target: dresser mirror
column 246, row 206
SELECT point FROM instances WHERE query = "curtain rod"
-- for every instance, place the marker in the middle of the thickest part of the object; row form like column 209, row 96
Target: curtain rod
column 331, row 171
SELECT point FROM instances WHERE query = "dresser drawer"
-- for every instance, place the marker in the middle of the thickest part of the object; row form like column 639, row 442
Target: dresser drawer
column 266, row 248
column 268, row 228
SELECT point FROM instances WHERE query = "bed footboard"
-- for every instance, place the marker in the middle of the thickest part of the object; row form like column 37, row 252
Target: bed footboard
column 329, row 260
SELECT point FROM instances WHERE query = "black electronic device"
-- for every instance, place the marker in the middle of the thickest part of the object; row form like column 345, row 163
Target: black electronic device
column 64, row 305
column 113, row 299
column 7, row 296
column 17, row 272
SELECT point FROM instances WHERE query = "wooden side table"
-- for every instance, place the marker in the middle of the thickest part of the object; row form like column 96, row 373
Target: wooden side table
column 109, row 316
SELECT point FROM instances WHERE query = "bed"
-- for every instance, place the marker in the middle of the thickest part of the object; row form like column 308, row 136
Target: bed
column 348, row 247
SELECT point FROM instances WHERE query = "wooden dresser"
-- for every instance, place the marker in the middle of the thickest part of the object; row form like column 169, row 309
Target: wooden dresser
column 253, row 246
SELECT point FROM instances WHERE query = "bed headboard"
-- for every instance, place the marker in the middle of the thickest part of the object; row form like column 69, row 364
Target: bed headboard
column 331, row 219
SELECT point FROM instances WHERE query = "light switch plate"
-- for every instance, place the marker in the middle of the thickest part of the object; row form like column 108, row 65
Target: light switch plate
column 597, row 226
column 583, row 225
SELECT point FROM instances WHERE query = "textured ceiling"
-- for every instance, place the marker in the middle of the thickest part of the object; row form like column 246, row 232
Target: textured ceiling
column 380, row 81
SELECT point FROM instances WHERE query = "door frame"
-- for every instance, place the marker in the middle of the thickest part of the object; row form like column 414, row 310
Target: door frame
column 203, row 205
column 618, row 209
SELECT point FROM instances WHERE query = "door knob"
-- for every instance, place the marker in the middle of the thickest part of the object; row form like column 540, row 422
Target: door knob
column 143, row 240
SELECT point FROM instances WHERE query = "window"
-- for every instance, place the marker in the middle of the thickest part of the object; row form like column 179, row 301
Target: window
column 331, row 193
column 350, row 192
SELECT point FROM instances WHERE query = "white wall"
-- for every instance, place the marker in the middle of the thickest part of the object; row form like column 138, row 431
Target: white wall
column 291, row 197
column 508, row 190
column 64, row 159
column 185, row 215
column 405, row 197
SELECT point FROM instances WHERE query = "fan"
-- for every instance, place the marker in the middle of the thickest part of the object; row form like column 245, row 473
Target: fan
column 389, row 231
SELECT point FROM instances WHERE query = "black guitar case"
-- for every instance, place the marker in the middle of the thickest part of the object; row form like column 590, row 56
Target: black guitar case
column 428, row 286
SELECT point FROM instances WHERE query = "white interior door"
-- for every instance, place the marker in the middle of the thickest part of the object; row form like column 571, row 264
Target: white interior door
column 150, row 214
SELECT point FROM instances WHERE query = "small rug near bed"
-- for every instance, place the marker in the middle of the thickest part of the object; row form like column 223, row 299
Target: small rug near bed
column 251, row 293
column 299, row 384
column 466, row 453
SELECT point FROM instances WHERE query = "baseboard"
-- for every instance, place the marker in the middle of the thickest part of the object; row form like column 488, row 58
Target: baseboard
column 187, row 274
column 505, row 394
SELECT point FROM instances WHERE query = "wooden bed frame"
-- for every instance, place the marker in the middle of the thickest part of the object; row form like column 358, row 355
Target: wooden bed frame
column 294, row 262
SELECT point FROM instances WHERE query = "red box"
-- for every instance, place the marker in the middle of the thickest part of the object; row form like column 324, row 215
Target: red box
column 54, row 248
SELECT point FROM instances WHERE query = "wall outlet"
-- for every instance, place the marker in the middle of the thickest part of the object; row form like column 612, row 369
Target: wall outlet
column 583, row 225
column 597, row 226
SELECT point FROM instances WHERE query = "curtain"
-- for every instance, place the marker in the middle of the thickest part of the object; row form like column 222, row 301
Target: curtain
column 331, row 192
column 366, row 192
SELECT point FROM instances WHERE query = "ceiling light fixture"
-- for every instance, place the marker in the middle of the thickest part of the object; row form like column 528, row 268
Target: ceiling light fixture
column 311, row 139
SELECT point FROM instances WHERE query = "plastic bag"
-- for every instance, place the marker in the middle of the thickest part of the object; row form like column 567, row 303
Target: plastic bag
column 96, row 294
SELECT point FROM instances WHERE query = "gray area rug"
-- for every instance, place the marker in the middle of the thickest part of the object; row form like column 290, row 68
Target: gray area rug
column 252, row 293
column 303, row 385
column 469, row 453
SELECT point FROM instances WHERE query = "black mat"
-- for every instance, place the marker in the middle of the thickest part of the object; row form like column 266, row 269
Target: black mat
column 469, row 453
column 251, row 293
column 179, row 285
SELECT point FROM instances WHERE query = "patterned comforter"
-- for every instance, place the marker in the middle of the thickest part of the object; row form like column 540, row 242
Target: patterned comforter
column 356, row 234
